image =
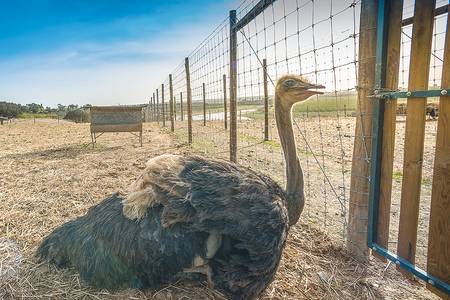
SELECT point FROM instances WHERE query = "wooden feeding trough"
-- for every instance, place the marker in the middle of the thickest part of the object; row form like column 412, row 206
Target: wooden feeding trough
column 116, row 119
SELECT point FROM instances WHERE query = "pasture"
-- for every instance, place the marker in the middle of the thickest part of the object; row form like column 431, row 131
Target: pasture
column 50, row 175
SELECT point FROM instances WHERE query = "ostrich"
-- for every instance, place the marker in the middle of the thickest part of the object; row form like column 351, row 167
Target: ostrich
column 189, row 217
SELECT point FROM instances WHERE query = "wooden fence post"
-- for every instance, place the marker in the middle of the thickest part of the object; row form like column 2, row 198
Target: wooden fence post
column 154, row 107
column 150, row 112
column 172, row 125
column 157, row 106
column 225, row 100
column 174, row 108
column 233, row 87
column 438, row 257
column 204, row 104
column 266, row 102
column 359, row 186
column 166, row 109
column 163, row 106
column 415, row 129
column 181, row 106
column 189, row 99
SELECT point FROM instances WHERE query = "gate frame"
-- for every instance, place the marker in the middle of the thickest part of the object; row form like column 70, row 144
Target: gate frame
column 380, row 97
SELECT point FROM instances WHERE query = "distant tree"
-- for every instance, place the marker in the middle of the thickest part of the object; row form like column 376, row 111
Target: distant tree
column 35, row 108
column 10, row 110
column 77, row 115
column 61, row 107
column 72, row 107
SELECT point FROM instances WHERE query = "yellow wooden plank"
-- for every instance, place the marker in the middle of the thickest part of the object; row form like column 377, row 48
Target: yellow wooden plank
column 415, row 128
column 438, row 258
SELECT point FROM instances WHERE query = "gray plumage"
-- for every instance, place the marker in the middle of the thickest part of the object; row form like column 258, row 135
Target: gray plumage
column 246, row 208
column 191, row 217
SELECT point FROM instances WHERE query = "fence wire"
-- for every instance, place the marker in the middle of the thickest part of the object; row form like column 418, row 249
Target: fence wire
column 319, row 41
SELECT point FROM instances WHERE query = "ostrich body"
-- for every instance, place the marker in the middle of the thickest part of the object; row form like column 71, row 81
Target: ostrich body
column 191, row 217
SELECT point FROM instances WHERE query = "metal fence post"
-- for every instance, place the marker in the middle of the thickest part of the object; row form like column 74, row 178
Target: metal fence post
column 266, row 102
column 388, row 62
column 233, row 87
column 189, row 98
column 225, row 100
column 172, row 125
column 204, row 104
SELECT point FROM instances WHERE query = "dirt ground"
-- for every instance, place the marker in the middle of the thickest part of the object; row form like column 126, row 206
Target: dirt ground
column 50, row 174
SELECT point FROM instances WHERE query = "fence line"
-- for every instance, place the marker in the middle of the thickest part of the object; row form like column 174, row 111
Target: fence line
column 321, row 41
column 274, row 33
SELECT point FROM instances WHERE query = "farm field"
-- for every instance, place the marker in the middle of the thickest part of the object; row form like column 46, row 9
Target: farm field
column 50, row 174
column 326, row 104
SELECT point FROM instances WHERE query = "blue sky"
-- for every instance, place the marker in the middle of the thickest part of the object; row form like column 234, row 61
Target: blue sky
column 98, row 51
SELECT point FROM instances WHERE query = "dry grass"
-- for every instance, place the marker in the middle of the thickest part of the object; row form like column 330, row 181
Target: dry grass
column 50, row 175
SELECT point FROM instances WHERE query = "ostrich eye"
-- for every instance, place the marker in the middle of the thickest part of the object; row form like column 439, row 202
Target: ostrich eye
column 290, row 83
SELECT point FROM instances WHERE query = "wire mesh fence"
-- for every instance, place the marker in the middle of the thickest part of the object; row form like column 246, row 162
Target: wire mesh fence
column 318, row 40
column 315, row 39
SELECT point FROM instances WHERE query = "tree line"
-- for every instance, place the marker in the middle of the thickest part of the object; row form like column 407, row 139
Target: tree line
column 71, row 111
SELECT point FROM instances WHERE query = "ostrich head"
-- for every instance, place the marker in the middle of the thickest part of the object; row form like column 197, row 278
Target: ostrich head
column 292, row 89
column 289, row 90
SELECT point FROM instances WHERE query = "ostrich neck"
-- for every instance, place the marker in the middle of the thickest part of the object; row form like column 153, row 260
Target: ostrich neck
column 294, row 174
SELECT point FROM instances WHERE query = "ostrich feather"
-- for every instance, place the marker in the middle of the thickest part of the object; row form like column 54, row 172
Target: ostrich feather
column 157, row 232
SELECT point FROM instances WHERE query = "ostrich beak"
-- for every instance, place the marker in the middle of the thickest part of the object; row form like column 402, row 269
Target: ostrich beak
column 315, row 86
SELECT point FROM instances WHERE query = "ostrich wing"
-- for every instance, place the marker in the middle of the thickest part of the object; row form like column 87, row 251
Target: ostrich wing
column 209, row 195
column 246, row 208
column 164, row 226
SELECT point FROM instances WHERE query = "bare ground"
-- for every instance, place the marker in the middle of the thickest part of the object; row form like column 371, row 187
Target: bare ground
column 49, row 174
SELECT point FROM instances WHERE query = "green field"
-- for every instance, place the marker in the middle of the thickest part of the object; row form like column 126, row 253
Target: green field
column 38, row 116
column 325, row 105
